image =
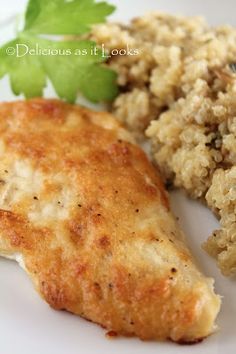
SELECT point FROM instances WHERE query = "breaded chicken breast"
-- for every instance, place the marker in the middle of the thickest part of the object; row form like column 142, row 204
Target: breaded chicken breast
column 85, row 213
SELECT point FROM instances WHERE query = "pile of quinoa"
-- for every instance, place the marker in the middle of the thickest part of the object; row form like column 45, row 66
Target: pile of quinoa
column 179, row 92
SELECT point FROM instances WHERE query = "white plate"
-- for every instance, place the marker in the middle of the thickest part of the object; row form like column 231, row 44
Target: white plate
column 29, row 326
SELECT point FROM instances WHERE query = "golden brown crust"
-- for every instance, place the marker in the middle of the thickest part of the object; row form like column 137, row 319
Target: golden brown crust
column 90, row 216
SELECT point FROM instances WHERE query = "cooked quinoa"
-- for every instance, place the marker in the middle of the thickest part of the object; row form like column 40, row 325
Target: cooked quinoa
column 221, row 197
column 181, row 90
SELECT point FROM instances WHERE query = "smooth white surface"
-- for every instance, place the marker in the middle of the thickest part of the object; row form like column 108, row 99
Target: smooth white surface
column 29, row 326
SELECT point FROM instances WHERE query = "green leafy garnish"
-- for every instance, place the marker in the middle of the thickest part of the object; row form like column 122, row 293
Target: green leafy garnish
column 71, row 65
column 65, row 17
column 26, row 74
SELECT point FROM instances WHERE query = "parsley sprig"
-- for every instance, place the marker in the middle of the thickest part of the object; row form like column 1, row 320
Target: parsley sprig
column 71, row 65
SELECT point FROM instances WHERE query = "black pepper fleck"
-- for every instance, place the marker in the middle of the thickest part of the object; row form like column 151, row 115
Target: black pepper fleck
column 233, row 67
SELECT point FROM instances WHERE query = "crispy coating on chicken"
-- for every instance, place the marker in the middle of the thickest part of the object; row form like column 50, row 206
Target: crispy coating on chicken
column 87, row 215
